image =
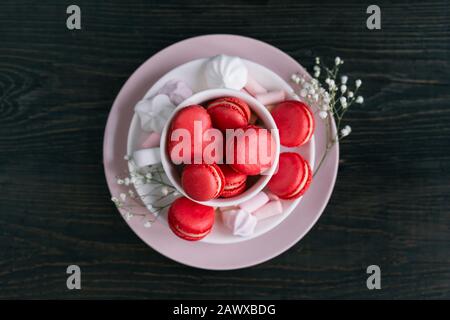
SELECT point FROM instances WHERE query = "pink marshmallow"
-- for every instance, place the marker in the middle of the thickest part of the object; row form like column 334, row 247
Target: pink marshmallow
column 271, row 209
column 151, row 141
column 272, row 197
column 255, row 203
column 271, row 97
column 253, row 87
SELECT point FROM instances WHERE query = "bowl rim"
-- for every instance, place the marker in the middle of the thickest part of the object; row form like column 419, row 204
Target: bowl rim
column 214, row 93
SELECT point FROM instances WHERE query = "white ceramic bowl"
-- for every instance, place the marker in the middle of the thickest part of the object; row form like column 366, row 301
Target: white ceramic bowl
column 260, row 111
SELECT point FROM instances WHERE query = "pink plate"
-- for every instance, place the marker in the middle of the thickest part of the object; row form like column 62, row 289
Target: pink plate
column 207, row 255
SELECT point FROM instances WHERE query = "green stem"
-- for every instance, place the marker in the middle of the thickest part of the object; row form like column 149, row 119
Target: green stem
column 328, row 145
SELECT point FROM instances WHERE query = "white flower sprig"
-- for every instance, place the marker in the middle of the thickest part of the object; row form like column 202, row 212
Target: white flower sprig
column 160, row 191
column 331, row 99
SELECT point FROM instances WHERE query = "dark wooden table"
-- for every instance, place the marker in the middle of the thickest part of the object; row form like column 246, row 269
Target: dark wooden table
column 390, row 206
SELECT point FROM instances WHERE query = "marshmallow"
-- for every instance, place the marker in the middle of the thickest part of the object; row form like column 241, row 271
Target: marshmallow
column 224, row 71
column 151, row 141
column 271, row 97
column 240, row 222
column 147, row 157
column 271, row 209
column 253, row 87
column 272, row 196
column 176, row 90
column 154, row 112
column 255, row 203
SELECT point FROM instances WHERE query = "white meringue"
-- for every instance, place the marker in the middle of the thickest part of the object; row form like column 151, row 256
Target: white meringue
column 224, row 71
column 176, row 90
column 240, row 222
column 154, row 112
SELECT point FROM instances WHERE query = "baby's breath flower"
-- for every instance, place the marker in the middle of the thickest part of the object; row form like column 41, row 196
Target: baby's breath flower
column 346, row 131
column 295, row 78
column 132, row 165
column 147, row 224
column 126, row 157
column 337, row 61
column 331, row 84
column 323, row 114
column 124, row 202
column 164, row 191
column 343, row 102
column 128, row 215
column 331, row 98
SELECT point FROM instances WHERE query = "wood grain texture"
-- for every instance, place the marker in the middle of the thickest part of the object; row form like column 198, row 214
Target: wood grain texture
column 391, row 204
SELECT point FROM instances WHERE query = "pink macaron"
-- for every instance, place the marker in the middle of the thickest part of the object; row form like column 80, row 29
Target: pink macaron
column 292, row 178
column 190, row 220
column 229, row 113
column 202, row 182
column 252, row 151
column 295, row 122
column 235, row 182
column 186, row 119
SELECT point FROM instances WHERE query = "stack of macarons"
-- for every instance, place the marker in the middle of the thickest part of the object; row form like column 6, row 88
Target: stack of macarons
column 204, row 180
column 295, row 123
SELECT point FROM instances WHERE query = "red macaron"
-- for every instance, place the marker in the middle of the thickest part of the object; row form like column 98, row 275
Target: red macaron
column 186, row 119
column 202, row 182
column 190, row 220
column 229, row 113
column 252, row 152
column 295, row 122
column 292, row 178
column 235, row 182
